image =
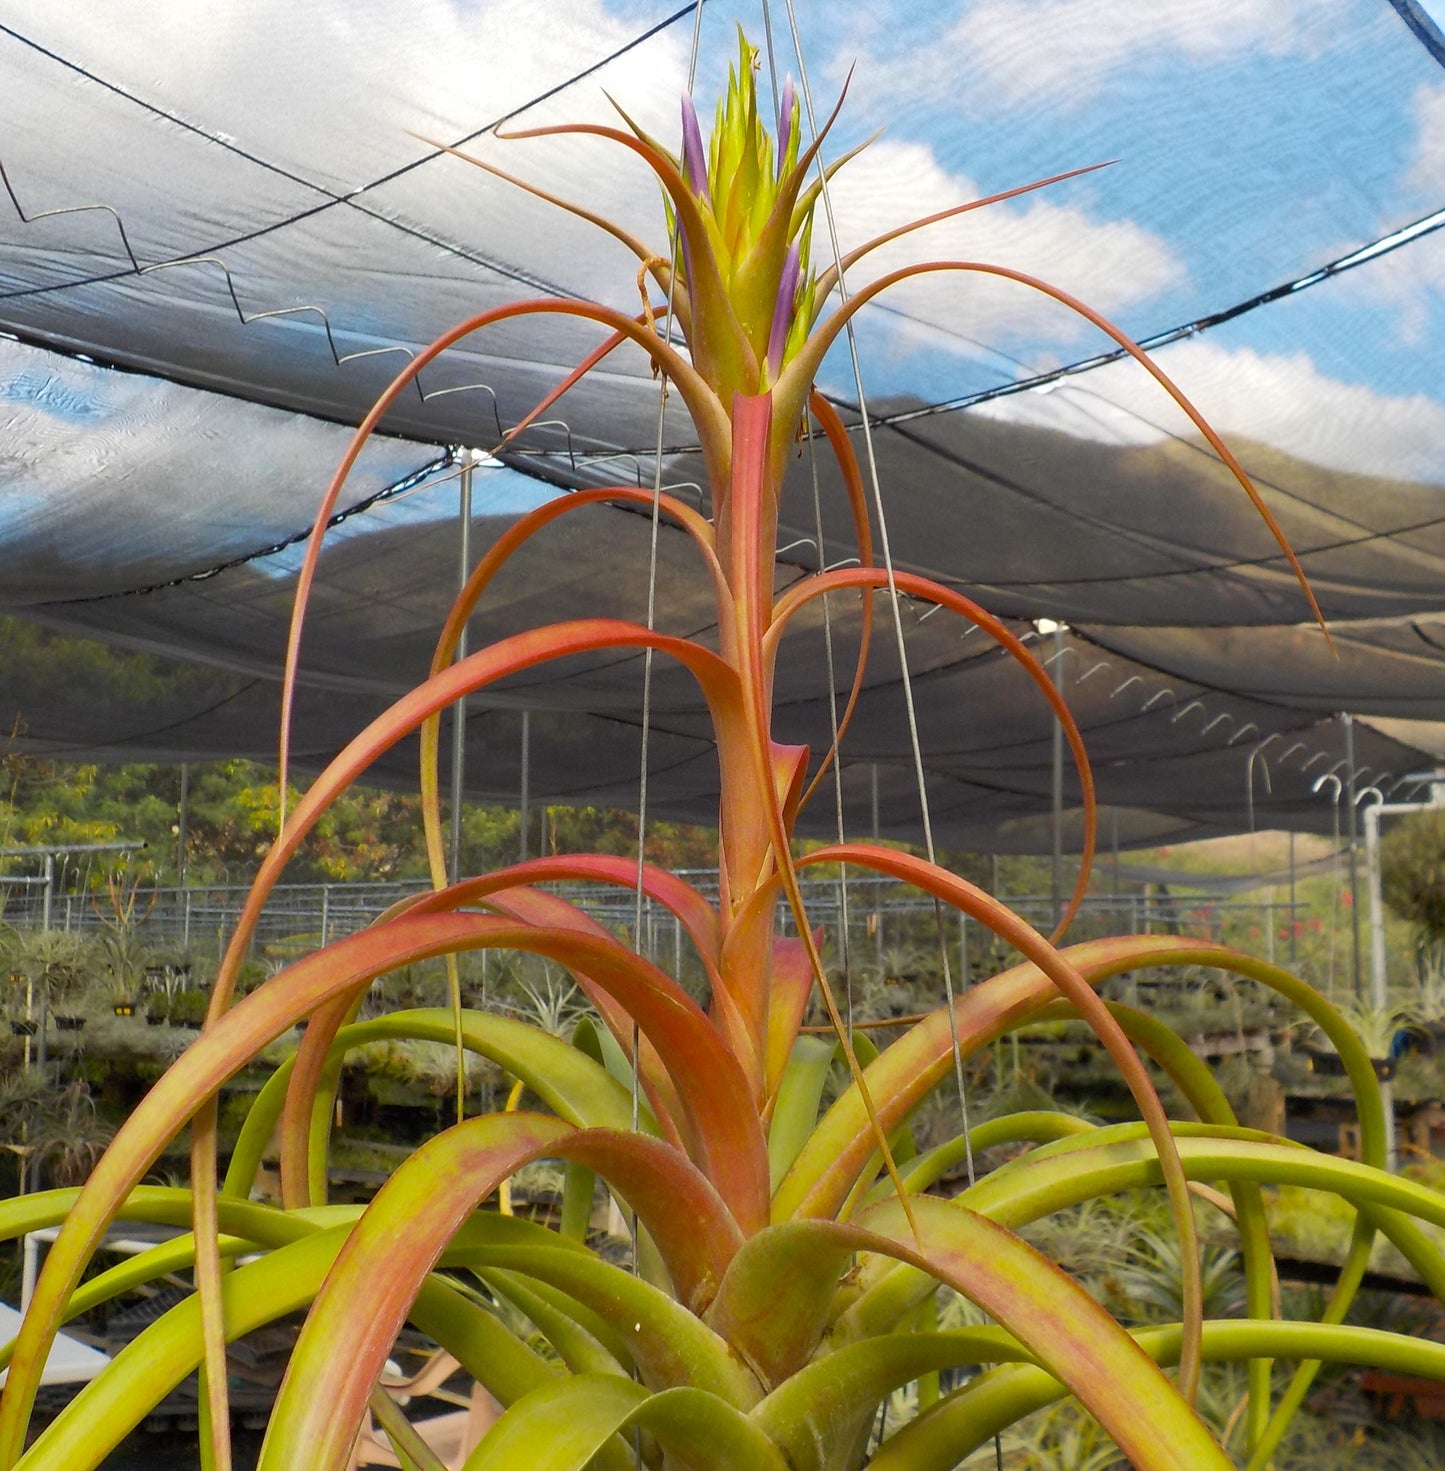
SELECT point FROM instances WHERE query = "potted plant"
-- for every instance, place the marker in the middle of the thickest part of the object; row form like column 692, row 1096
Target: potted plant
column 121, row 989
column 187, row 1009
column 1380, row 1029
column 49, row 966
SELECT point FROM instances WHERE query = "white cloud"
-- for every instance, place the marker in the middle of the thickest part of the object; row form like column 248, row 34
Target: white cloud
column 1111, row 264
column 1280, row 399
column 1427, row 166
column 1411, row 280
column 332, row 90
column 1069, row 48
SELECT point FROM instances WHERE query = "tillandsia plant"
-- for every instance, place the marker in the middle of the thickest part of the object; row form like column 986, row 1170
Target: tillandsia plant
column 785, row 1255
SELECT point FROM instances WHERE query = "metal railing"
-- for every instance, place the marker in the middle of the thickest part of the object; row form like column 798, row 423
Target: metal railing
column 884, row 918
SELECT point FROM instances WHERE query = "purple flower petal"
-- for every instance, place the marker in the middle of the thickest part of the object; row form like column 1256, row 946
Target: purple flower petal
column 694, row 159
column 783, row 310
column 785, row 121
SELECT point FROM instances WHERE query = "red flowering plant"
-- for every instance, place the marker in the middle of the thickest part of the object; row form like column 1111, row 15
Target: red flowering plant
column 784, row 1253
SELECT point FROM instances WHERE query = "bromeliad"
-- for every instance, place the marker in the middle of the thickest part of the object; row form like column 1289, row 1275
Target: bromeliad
column 781, row 1258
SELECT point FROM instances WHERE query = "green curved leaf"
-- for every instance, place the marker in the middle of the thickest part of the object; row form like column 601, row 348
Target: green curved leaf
column 778, row 1295
column 668, row 1344
column 1122, row 1158
column 1056, row 1321
column 795, row 1108
column 562, row 1426
column 819, row 1413
column 414, row 1218
column 285, row 1280
column 569, row 1082
column 1037, row 1126
column 1197, row 1083
column 919, row 1060
column 943, row 1435
column 251, row 1226
column 585, row 1342
column 559, row 1427
column 369, row 1292
column 152, row 1364
column 223, row 1048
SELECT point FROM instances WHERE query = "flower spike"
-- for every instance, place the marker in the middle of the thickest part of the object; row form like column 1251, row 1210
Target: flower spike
column 783, row 310
column 694, row 159
column 787, row 128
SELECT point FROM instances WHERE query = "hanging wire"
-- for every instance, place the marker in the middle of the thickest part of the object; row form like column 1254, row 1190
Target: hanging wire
column 896, row 607
column 652, row 609
column 643, row 761
column 844, row 916
column 844, row 937
column 895, row 601
column 352, row 199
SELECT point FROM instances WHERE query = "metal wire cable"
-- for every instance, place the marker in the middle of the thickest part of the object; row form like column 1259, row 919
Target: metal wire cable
column 875, row 486
column 643, row 763
column 407, row 485
column 330, row 197
column 844, row 935
column 656, row 518
column 845, row 941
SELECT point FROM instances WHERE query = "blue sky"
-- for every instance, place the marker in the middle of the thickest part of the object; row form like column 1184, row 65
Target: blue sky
column 1254, row 143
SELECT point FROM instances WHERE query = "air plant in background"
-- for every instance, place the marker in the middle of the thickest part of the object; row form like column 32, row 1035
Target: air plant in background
column 785, row 1256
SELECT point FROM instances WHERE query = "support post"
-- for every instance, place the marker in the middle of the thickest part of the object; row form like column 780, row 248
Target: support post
column 183, row 824
column 459, row 709
column 1379, row 982
column 525, row 795
column 1293, row 913
column 877, row 883
column 1056, row 872
column 1353, row 831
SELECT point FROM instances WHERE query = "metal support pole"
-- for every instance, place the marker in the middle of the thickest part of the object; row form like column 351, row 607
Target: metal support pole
column 1379, row 984
column 877, row 886
column 1354, row 850
column 183, row 824
column 42, row 1055
column 1293, row 913
column 525, row 796
column 459, row 709
column 45, row 920
column 1056, row 873
column 30, row 1269
column 1114, row 884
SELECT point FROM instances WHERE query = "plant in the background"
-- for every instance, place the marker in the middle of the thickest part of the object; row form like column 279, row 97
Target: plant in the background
column 46, row 967
column 1412, row 874
column 784, row 1265
column 68, row 1135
